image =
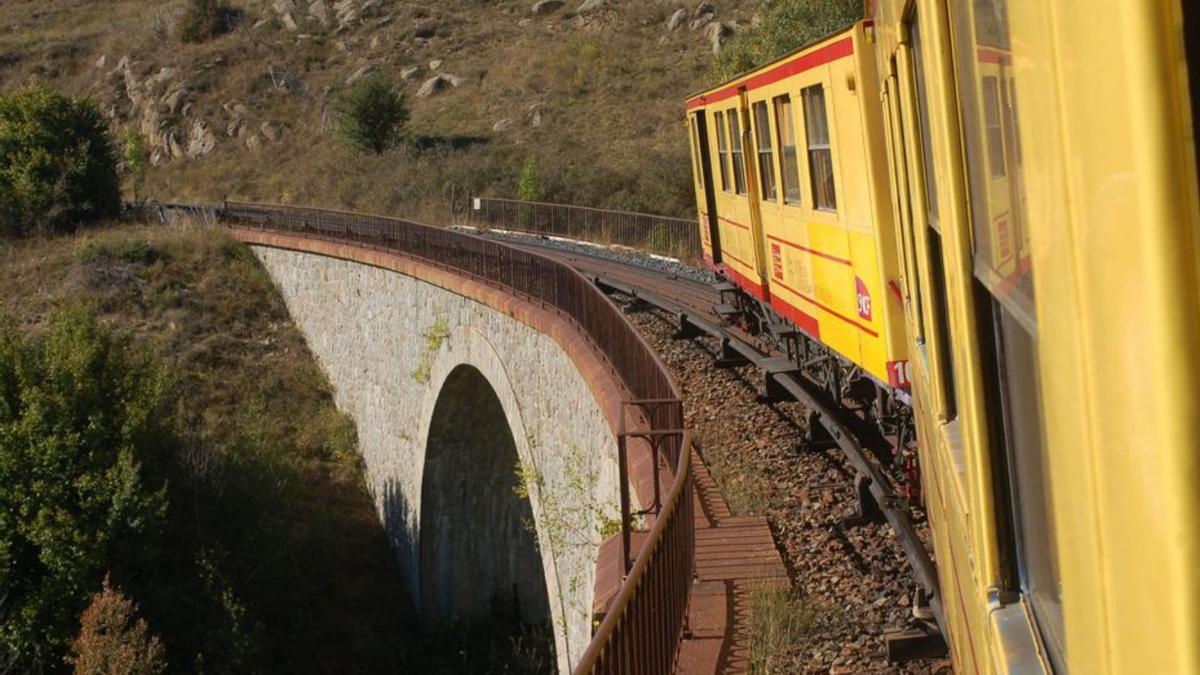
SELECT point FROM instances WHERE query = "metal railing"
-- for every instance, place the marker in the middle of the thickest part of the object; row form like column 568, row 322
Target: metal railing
column 662, row 235
column 645, row 624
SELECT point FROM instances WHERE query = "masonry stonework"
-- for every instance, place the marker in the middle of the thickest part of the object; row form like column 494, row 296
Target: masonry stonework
column 388, row 343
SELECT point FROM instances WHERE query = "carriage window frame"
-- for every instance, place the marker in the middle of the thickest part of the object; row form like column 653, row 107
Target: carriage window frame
column 768, row 185
column 1005, row 303
column 789, row 158
column 737, row 153
column 722, row 149
column 698, row 171
column 993, row 126
column 820, row 148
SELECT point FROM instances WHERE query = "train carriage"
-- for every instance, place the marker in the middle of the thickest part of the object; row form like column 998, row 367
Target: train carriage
column 792, row 186
column 1013, row 186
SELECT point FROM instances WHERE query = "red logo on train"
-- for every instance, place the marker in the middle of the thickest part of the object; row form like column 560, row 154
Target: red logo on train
column 864, row 299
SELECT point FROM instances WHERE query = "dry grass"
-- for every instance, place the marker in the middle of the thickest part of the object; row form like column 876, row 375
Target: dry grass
column 612, row 92
column 779, row 621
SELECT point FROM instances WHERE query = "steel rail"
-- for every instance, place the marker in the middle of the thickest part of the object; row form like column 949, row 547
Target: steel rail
column 643, row 629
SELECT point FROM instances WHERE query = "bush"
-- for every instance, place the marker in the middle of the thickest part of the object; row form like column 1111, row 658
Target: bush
column 786, row 25
column 113, row 640
column 57, row 163
column 81, row 424
column 205, row 19
column 373, row 115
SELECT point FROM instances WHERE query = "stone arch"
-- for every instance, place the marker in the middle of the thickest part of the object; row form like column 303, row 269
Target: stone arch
column 479, row 559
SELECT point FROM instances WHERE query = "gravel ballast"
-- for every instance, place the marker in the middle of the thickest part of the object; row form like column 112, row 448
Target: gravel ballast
column 854, row 580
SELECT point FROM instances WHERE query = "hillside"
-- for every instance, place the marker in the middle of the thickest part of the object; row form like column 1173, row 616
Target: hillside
column 590, row 93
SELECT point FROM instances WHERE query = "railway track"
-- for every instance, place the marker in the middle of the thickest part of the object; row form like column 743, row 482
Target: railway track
column 692, row 305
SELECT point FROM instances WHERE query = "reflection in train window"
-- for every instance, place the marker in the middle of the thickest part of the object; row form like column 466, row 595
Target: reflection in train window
column 820, row 154
column 995, row 136
column 786, row 130
column 735, row 144
column 1003, row 270
column 722, row 150
column 766, row 155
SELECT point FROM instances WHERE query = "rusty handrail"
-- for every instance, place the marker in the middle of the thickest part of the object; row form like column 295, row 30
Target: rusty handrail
column 642, row 631
column 662, row 235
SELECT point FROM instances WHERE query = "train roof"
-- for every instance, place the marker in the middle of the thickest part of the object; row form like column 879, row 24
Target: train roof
column 788, row 64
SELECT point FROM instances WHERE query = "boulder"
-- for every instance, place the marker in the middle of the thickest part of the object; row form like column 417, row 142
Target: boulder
column 271, row 131
column 700, row 22
column 284, row 6
column 717, row 32
column 502, row 125
column 705, row 8
column 591, row 6
column 201, row 141
column 319, row 11
column 435, row 64
column 102, row 61
column 173, row 101
column 288, row 22
column 409, row 72
column 543, row 7
column 253, row 143
column 536, row 113
column 677, row 19
column 438, row 83
column 361, row 73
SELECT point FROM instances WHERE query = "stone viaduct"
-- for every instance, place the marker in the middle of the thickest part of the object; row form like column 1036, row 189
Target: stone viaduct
column 486, row 426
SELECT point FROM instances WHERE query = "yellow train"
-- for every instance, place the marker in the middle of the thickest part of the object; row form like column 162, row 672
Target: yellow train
column 992, row 206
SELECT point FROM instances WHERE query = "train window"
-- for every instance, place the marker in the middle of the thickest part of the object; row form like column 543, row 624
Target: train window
column 766, row 153
column 735, row 145
column 918, row 66
column 991, row 121
column 722, row 150
column 923, row 173
column 785, row 129
column 1003, row 272
column 820, row 155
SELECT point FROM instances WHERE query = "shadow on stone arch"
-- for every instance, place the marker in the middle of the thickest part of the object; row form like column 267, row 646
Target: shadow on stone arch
column 479, row 561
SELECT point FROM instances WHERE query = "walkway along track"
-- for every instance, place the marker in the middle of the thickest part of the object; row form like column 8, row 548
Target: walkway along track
column 692, row 303
column 647, row 620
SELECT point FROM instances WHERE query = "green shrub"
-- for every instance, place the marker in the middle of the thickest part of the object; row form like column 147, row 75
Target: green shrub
column 786, row 25
column 373, row 115
column 133, row 154
column 81, row 439
column 57, row 164
column 205, row 19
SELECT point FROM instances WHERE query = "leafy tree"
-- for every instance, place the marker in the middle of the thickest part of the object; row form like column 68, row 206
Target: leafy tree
column 785, row 25
column 81, row 429
column 57, row 165
column 205, row 19
column 113, row 640
column 373, row 115
column 133, row 152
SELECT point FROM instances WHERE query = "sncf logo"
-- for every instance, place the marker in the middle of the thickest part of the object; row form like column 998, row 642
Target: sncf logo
column 864, row 299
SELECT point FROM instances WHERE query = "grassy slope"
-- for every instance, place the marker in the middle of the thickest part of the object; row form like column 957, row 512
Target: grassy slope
column 612, row 90
column 269, row 483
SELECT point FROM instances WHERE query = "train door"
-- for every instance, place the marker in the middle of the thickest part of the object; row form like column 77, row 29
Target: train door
column 703, row 155
column 751, row 169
